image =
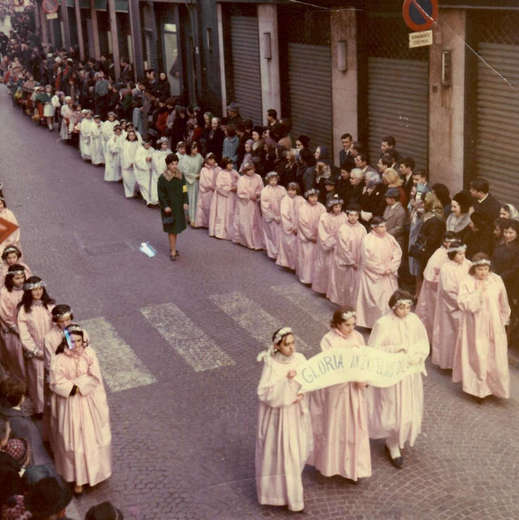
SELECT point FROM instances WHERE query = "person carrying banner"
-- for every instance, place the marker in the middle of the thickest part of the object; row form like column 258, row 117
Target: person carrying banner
column 339, row 413
column 284, row 436
column 395, row 413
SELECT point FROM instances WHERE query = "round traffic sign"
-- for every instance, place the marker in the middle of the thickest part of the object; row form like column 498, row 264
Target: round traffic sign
column 420, row 15
column 50, row 6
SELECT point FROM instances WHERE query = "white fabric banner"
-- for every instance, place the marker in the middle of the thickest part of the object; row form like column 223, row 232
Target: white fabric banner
column 364, row 365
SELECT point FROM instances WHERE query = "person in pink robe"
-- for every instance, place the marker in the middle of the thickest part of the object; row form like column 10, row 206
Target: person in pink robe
column 396, row 412
column 83, row 437
column 289, row 210
column 339, row 413
column 329, row 224
column 247, row 216
column 14, row 238
column 447, row 313
column 221, row 213
column 426, row 306
column 307, row 229
column 343, row 284
column 284, row 437
column 10, row 256
column 380, row 257
column 34, row 321
column 481, row 353
column 10, row 298
column 206, row 187
column 271, row 196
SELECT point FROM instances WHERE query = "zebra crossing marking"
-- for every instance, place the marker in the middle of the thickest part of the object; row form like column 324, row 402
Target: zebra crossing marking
column 252, row 317
column 196, row 348
column 121, row 368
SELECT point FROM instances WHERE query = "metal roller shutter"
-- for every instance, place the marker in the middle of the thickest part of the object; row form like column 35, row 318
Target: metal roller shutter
column 246, row 76
column 498, row 120
column 310, row 92
column 398, row 106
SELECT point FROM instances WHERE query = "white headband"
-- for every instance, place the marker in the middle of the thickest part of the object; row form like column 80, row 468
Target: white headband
column 456, row 249
column 285, row 331
column 403, row 302
column 18, row 271
column 483, row 261
column 33, row 285
column 347, row 315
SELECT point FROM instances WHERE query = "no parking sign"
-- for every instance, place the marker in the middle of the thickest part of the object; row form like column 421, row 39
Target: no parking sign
column 420, row 15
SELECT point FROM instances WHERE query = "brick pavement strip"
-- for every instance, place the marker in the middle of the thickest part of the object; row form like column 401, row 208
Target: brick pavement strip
column 183, row 447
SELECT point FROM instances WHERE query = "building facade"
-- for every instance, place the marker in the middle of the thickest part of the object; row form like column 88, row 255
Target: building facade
column 333, row 67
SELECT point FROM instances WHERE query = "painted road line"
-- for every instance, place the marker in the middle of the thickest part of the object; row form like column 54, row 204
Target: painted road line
column 316, row 306
column 121, row 368
column 252, row 317
column 189, row 341
column 73, row 511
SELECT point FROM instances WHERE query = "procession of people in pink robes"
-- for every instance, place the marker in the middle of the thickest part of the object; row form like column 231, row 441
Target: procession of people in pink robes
column 289, row 211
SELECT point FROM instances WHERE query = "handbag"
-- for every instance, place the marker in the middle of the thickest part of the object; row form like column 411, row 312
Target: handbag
column 168, row 219
column 417, row 250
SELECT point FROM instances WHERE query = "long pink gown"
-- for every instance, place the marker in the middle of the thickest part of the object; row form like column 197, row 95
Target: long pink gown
column 221, row 213
column 33, row 326
column 14, row 238
column 343, row 284
column 307, row 229
column 329, row 225
column 481, row 357
column 83, row 438
column 284, row 438
column 206, row 187
column 426, row 305
column 340, row 421
column 396, row 412
column 447, row 313
column 13, row 348
column 271, row 197
column 377, row 255
column 289, row 210
column 247, row 214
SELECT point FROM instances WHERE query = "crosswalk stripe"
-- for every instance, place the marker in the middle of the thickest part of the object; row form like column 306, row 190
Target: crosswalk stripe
column 121, row 368
column 196, row 348
column 251, row 317
column 308, row 301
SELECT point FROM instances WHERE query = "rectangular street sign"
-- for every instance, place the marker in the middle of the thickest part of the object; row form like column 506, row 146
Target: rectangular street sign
column 420, row 39
column 52, row 16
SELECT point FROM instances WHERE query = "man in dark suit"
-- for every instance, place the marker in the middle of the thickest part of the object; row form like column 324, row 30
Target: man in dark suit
column 388, row 144
column 484, row 202
column 407, row 166
column 346, row 155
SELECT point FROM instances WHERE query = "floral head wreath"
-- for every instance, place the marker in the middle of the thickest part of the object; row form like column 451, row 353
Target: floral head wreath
column 456, row 249
column 33, row 285
column 482, row 261
column 402, row 301
column 280, row 334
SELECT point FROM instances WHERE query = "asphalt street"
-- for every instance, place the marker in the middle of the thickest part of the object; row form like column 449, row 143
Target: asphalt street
column 178, row 345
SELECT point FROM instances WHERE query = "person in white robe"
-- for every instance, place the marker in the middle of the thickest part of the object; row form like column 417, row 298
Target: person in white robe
column 143, row 169
column 66, row 115
column 83, row 437
column 107, row 130
column 128, row 151
column 158, row 166
column 284, row 437
column 86, row 129
column 113, row 156
column 396, row 412
column 96, row 151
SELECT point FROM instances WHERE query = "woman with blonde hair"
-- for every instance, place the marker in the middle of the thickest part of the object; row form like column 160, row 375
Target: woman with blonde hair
column 392, row 179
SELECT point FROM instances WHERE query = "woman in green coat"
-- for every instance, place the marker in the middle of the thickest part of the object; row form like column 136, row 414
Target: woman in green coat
column 172, row 191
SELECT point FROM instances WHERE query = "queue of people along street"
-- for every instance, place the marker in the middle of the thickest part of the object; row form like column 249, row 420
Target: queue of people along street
column 376, row 241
